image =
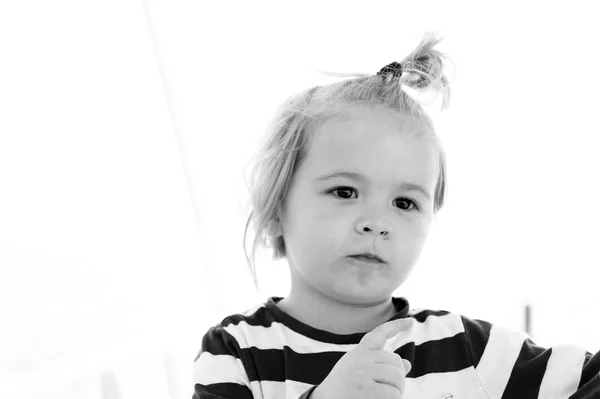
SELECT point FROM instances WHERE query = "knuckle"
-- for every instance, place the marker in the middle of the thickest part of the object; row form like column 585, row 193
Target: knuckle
column 387, row 392
column 392, row 358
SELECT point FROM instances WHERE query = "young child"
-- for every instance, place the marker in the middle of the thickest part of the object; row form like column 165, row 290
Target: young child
column 346, row 187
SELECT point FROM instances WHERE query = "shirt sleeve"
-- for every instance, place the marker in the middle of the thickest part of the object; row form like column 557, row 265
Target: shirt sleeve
column 509, row 364
column 307, row 394
column 589, row 387
column 219, row 371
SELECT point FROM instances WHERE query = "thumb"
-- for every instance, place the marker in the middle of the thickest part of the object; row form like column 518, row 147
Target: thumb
column 407, row 366
column 375, row 340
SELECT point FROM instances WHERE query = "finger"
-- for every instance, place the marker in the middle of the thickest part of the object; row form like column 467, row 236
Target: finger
column 386, row 391
column 386, row 357
column 376, row 339
column 407, row 366
column 389, row 375
column 390, row 358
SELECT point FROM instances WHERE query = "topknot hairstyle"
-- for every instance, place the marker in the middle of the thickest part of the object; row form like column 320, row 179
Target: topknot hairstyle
column 289, row 135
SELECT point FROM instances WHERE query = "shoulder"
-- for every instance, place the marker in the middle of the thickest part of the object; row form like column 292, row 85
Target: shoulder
column 449, row 322
column 472, row 327
column 223, row 363
column 475, row 335
column 237, row 331
column 257, row 315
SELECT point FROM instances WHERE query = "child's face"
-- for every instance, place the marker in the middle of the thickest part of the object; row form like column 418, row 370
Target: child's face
column 322, row 228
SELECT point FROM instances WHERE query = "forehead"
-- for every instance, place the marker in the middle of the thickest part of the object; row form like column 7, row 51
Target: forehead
column 380, row 141
column 366, row 122
column 370, row 113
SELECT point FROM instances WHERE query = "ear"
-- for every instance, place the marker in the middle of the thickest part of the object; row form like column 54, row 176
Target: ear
column 274, row 228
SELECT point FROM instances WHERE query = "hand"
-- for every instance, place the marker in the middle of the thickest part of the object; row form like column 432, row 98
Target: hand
column 368, row 371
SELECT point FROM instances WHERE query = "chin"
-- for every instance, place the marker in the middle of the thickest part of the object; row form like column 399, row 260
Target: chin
column 357, row 297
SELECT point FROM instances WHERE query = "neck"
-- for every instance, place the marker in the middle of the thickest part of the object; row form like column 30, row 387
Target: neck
column 325, row 313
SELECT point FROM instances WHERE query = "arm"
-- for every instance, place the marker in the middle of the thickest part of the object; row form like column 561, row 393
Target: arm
column 308, row 394
column 225, row 370
column 589, row 386
column 509, row 364
column 219, row 372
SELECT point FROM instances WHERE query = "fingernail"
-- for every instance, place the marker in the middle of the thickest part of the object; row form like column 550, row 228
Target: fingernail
column 407, row 365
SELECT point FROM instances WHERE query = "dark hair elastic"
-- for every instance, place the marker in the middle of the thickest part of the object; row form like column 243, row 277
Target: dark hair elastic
column 394, row 68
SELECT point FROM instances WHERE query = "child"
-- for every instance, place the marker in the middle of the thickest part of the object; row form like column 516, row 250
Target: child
column 346, row 188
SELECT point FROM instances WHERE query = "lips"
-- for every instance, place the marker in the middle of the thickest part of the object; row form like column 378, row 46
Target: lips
column 368, row 258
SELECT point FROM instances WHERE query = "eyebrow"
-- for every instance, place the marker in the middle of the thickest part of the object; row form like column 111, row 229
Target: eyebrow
column 361, row 178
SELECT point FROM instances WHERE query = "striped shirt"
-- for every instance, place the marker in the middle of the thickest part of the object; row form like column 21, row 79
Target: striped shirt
column 265, row 353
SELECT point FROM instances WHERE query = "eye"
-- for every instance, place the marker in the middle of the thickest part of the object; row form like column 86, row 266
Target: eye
column 408, row 201
column 346, row 193
column 343, row 190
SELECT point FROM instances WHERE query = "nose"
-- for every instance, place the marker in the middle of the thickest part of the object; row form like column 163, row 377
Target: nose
column 378, row 231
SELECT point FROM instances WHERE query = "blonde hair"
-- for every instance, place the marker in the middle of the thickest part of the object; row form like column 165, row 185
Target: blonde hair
column 288, row 136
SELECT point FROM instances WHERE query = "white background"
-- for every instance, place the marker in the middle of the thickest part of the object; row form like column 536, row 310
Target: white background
column 125, row 127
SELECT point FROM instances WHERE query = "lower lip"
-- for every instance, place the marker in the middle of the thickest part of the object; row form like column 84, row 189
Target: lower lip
column 365, row 261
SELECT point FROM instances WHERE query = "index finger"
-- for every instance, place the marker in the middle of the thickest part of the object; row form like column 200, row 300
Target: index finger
column 375, row 340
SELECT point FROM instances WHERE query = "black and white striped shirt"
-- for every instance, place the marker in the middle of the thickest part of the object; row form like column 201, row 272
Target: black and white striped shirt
column 265, row 353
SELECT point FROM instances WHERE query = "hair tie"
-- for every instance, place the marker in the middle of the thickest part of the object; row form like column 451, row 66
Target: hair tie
column 395, row 68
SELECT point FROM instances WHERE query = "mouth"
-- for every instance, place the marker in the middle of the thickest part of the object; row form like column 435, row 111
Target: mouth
column 368, row 258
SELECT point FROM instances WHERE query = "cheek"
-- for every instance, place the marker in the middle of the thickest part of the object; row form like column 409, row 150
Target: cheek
column 323, row 241
column 318, row 243
column 319, row 220
column 421, row 230
column 411, row 237
column 417, row 226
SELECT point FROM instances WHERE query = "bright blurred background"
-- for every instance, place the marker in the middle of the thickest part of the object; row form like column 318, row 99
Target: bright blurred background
column 125, row 128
